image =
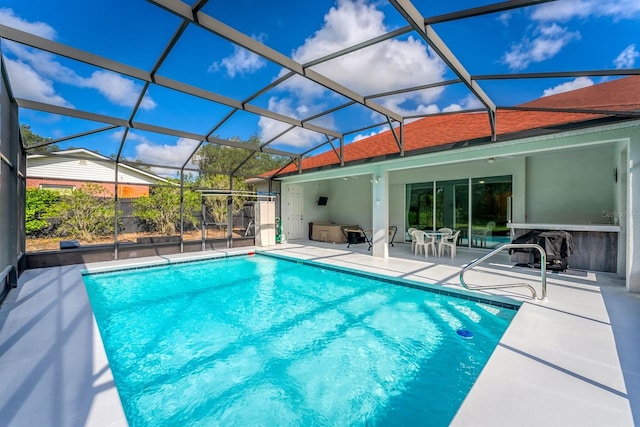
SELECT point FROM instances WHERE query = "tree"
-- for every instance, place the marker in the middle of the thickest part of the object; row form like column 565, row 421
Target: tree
column 213, row 159
column 160, row 210
column 29, row 138
column 217, row 205
column 218, row 162
column 40, row 205
column 85, row 213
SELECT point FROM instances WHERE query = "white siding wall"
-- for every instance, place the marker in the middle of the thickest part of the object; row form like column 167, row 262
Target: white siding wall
column 82, row 170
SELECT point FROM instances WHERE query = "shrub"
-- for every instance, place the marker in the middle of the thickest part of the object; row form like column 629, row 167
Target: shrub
column 40, row 207
column 85, row 213
column 160, row 210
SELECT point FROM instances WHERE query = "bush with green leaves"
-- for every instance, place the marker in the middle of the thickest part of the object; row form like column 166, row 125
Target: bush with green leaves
column 86, row 213
column 160, row 210
column 40, row 209
column 217, row 205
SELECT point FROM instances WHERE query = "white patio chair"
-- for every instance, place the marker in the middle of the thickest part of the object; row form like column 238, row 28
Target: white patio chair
column 424, row 242
column 448, row 242
column 445, row 230
column 413, row 238
column 479, row 234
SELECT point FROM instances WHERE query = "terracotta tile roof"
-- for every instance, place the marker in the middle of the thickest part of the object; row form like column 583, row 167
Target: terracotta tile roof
column 618, row 95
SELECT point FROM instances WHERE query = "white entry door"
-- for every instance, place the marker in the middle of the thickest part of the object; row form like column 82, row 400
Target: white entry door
column 295, row 220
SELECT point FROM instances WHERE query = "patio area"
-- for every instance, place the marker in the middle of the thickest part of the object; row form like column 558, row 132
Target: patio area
column 570, row 360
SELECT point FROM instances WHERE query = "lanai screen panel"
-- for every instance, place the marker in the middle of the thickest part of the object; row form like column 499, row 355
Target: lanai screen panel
column 382, row 57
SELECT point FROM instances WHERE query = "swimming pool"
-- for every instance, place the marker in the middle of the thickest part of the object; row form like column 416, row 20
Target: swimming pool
column 257, row 340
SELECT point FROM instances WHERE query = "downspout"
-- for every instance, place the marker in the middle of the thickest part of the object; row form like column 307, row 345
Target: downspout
column 203, row 221
column 182, row 210
column 230, row 214
column 115, row 214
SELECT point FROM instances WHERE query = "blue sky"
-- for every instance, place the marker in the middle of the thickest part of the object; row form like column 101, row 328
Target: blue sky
column 564, row 35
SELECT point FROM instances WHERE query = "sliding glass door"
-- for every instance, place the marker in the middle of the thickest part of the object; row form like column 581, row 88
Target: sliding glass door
column 420, row 206
column 477, row 207
column 489, row 198
column 452, row 204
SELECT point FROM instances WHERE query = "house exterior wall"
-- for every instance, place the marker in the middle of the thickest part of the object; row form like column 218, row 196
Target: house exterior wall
column 473, row 169
column 312, row 212
column 350, row 201
column 397, row 194
column 561, row 178
column 81, row 169
column 126, row 191
column 571, row 187
column 631, row 217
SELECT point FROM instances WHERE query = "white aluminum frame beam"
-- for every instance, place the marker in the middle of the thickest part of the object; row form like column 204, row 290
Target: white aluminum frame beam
column 618, row 113
column 559, row 74
column 70, row 112
column 483, row 10
column 428, row 34
column 67, row 138
column 221, row 29
column 117, row 67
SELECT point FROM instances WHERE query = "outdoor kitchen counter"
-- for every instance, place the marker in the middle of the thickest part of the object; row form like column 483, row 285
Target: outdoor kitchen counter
column 595, row 245
column 608, row 228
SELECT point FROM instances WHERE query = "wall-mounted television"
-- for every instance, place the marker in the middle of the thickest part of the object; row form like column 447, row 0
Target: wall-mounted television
column 322, row 201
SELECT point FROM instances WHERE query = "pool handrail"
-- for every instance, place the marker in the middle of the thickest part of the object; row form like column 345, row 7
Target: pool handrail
column 543, row 270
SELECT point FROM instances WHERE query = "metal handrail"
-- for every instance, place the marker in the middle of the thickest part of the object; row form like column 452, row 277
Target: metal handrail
column 543, row 269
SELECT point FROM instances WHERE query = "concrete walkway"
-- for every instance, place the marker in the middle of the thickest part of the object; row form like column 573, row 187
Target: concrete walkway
column 572, row 360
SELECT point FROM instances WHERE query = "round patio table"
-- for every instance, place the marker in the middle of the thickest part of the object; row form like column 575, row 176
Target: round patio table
column 438, row 235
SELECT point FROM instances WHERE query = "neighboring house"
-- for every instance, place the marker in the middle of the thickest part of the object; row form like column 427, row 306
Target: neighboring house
column 554, row 165
column 70, row 169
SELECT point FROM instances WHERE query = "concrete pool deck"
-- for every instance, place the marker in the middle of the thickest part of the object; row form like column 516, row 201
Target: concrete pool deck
column 572, row 360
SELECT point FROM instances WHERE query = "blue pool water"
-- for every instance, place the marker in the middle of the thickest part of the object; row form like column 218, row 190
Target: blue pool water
column 257, row 340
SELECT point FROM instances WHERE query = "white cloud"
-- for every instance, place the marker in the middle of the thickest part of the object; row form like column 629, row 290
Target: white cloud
column 297, row 137
column 147, row 151
column 360, row 136
column 41, row 71
column 391, row 65
column 28, row 84
column 386, row 66
column 627, row 57
column 548, row 41
column 504, row 18
column 10, row 19
column 240, row 62
column 394, row 64
column 549, row 38
column 349, row 23
column 395, row 103
column 562, row 11
column 42, row 62
column 117, row 89
column 451, row 108
column 578, row 83
column 163, row 154
column 468, row 103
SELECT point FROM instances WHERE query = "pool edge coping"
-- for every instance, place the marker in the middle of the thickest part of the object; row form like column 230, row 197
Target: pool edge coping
column 493, row 300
